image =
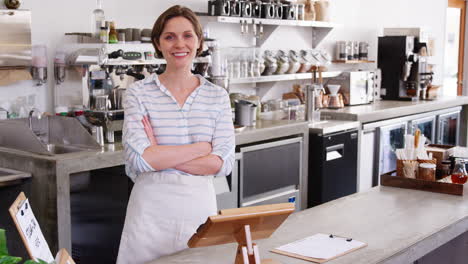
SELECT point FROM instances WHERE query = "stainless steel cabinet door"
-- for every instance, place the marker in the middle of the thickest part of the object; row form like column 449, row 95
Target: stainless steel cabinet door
column 391, row 137
column 448, row 128
column 366, row 159
column 427, row 126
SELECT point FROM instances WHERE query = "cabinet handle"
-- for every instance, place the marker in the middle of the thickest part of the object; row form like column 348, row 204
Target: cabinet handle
column 335, row 152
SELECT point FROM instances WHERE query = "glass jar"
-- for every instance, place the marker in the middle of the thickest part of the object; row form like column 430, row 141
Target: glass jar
column 426, row 171
column 459, row 174
column 444, row 169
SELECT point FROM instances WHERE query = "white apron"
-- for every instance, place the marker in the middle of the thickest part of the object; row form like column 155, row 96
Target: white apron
column 164, row 211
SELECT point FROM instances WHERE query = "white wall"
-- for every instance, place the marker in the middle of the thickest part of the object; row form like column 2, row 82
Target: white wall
column 361, row 20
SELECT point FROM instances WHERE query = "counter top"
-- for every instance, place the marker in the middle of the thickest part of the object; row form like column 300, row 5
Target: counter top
column 332, row 126
column 399, row 226
column 108, row 149
column 384, row 109
column 267, row 129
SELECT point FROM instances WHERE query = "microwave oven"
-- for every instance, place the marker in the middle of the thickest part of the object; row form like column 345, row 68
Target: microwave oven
column 358, row 87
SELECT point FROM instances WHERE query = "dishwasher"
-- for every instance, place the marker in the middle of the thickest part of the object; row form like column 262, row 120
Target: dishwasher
column 332, row 166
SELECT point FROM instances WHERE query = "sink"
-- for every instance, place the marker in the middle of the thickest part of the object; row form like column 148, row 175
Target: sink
column 51, row 135
column 62, row 149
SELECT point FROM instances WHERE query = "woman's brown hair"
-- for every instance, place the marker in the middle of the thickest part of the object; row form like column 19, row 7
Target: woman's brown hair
column 176, row 11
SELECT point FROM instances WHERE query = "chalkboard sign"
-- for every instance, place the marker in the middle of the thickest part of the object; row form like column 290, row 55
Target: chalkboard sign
column 29, row 229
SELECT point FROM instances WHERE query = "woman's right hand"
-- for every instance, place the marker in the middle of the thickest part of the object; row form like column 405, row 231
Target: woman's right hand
column 149, row 130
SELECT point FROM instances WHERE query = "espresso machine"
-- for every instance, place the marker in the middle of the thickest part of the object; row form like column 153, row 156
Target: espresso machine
column 404, row 70
column 98, row 76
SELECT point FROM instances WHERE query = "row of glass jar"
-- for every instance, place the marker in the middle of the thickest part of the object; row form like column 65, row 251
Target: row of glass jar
column 252, row 62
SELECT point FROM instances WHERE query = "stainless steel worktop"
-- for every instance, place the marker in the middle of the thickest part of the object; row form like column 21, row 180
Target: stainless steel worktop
column 266, row 129
column 383, row 109
column 399, row 226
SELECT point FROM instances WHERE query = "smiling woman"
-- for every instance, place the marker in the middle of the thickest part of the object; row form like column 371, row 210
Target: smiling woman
column 178, row 135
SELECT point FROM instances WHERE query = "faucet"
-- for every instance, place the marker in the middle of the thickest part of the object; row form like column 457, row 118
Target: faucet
column 31, row 113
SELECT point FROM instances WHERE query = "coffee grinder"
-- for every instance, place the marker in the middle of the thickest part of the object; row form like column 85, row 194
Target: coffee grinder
column 398, row 59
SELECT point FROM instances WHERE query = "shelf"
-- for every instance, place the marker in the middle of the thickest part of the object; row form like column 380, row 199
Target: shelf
column 353, row 61
column 273, row 22
column 283, row 77
column 320, row 28
column 120, row 61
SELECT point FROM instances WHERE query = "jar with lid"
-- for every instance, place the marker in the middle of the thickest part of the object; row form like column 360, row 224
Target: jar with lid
column 294, row 62
column 459, row 174
column 444, row 169
column 426, row 171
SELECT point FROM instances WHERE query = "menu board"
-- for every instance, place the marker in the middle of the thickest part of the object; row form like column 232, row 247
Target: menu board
column 27, row 223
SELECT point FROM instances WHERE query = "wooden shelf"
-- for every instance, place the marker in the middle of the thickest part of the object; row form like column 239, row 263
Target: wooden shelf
column 353, row 61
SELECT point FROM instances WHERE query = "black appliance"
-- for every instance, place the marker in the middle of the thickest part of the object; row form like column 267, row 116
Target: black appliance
column 219, row 8
column 403, row 74
column 332, row 166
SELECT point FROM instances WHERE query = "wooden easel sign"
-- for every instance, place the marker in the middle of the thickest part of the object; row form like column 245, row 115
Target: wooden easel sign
column 63, row 257
column 29, row 229
column 31, row 233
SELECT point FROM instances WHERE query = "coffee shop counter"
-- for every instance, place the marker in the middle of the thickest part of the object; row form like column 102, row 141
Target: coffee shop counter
column 51, row 174
column 399, row 226
column 386, row 109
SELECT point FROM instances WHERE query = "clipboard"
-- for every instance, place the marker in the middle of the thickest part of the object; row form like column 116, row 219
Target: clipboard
column 40, row 249
column 320, row 260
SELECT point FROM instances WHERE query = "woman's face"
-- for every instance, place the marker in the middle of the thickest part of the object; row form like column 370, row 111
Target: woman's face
column 178, row 42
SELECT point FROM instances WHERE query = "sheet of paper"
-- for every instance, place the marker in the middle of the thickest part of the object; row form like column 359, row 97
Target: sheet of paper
column 33, row 234
column 320, row 246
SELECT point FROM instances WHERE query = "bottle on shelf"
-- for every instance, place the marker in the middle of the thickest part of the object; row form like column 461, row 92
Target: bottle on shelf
column 112, row 34
column 98, row 18
column 104, row 34
column 459, row 174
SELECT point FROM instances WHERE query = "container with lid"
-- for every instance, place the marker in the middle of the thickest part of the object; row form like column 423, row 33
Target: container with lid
column 426, row 171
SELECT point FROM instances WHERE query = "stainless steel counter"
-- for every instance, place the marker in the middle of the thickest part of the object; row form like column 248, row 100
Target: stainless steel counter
column 399, row 226
column 381, row 110
column 264, row 130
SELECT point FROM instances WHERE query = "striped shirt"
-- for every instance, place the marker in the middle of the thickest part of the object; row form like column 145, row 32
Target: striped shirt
column 205, row 117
